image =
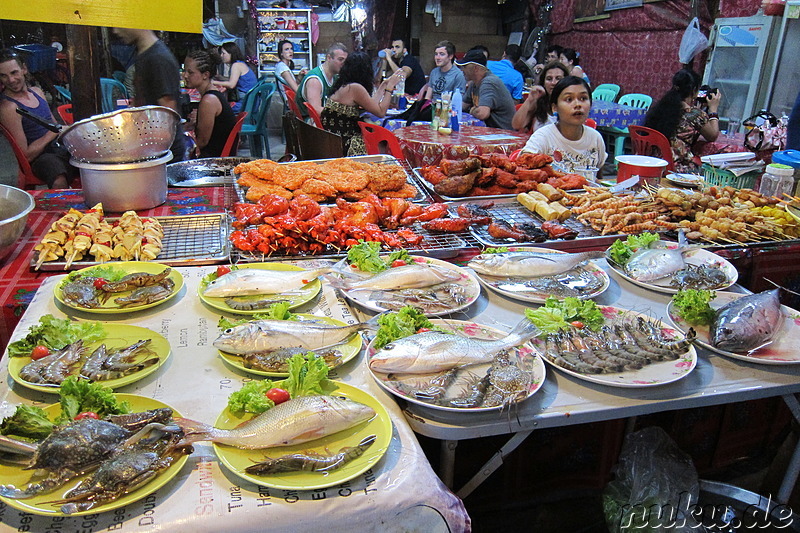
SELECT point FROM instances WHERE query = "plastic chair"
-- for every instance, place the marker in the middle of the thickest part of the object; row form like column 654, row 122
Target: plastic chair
column 256, row 106
column 291, row 101
column 65, row 94
column 604, row 94
column 119, row 75
column 647, row 141
column 610, row 87
column 592, row 123
column 290, row 134
column 232, row 144
column 642, row 101
column 27, row 179
column 107, row 88
column 314, row 115
column 374, row 135
column 315, row 143
column 65, row 112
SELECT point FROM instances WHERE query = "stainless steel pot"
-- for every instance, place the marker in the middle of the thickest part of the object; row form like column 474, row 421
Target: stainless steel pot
column 15, row 204
column 125, row 186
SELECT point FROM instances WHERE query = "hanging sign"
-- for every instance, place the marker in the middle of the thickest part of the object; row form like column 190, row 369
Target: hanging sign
column 182, row 16
column 622, row 4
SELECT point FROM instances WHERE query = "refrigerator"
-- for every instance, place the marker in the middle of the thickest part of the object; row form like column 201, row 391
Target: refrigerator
column 785, row 78
column 740, row 65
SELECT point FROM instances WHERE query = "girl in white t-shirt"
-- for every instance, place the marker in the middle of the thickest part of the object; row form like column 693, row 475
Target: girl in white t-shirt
column 572, row 144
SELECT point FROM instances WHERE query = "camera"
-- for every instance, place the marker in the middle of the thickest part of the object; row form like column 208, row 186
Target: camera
column 705, row 90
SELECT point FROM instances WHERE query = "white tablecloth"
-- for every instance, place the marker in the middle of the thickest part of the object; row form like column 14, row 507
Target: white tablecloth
column 401, row 493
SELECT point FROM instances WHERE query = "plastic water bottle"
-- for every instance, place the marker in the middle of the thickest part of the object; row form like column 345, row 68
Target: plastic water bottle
column 381, row 53
column 456, row 105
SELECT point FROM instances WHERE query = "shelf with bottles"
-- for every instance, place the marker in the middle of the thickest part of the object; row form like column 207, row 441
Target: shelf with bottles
column 293, row 25
column 284, row 20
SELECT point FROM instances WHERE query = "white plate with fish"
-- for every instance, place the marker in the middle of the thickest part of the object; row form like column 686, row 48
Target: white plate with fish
column 714, row 271
column 453, row 391
column 585, row 280
column 241, row 294
column 441, row 287
column 687, row 180
column 781, row 351
column 673, row 359
column 148, row 358
column 380, row 426
column 265, row 366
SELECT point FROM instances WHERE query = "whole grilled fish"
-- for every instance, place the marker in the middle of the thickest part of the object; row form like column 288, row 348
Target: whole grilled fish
column 413, row 276
column 528, row 264
column 747, row 323
column 249, row 281
column 271, row 335
column 296, row 421
column 648, row 264
column 434, row 351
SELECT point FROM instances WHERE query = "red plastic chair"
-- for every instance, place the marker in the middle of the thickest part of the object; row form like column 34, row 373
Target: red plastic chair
column 647, row 141
column 65, row 112
column 314, row 115
column 291, row 101
column 27, row 179
column 592, row 123
column 232, row 144
column 374, row 135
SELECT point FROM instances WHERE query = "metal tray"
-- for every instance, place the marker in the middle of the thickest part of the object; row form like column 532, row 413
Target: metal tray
column 510, row 210
column 420, row 196
column 429, row 188
column 207, row 172
column 188, row 240
column 438, row 245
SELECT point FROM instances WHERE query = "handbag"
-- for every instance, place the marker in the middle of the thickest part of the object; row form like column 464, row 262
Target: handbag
column 417, row 112
column 765, row 132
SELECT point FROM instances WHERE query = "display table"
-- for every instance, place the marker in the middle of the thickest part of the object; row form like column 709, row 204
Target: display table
column 614, row 115
column 391, row 123
column 423, row 146
column 400, row 493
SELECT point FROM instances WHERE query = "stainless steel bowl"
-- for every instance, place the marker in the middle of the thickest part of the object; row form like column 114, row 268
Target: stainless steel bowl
column 15, row 204
column 123, row 136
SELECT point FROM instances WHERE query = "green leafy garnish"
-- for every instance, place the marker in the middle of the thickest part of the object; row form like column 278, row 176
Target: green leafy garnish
column 276, row 311
column 55, row 333
column 365, row 256
column 400, row 255
column 79, row 395
column 500, row 250
column 622, row 250
column 693, row 306
column 402, row 323
column 27, row 421
column 557, row 314
column 107, row 272
column 307, row 376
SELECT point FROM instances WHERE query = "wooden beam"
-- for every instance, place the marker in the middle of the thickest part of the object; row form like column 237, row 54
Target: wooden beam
column 83, row 53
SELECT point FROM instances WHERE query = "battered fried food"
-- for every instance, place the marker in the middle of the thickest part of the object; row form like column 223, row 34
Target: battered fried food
column 319, row 187
column 387, row 178
column 406, row 191
column 258, row 190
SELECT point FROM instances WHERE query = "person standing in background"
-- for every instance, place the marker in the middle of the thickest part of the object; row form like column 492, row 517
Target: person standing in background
column 445, row 77
column 240, row 77
column 156, row 78
column 397, row 57
column 504, row 69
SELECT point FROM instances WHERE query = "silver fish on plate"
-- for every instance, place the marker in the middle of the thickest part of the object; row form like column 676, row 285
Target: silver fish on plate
column 578, row 283
column 434, row 299
column 270, row 335
column 311, row 462
column 295, row 421
column 648, row 264
column 251, row 281
column 528, row 263
column 747, row 323
column 434, row 351
column 414, row 276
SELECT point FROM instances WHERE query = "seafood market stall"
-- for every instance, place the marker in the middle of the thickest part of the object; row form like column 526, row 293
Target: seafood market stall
column 400, row 491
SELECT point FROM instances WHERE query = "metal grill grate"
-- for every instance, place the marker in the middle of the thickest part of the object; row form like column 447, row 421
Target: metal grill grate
column 188, row 240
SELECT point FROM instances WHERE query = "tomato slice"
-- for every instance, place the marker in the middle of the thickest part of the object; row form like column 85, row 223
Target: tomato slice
column 87, row 414
column 39, row 352
column 99, row 282
column 398, row 263
column 278, row 395
column 222, row 270
column 578, row 324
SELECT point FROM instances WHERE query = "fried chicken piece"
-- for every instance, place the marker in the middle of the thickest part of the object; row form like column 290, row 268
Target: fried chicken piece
column 248, row 179
column 456, row 185
column 450, row 225
column 432, row 174
column 526, row 186
column 486, row 177
column 258, row 190
column 506, row 179
column 387, row 178
column 536, row 174
column 261, row 168
column 455, row 167
column 531, row 160
column 318, row 187
column 553, row 173
column 293, row 176
column 569, row 181
column 490, row 191
column 500, row 161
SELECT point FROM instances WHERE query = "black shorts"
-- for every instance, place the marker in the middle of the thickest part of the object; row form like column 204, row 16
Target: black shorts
column 52, row 163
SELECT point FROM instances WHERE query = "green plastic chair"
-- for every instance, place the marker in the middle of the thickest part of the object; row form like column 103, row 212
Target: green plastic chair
column 604, row 94
column 107, row 88
column 642, row 101
column 256, row 104
column 609, row 86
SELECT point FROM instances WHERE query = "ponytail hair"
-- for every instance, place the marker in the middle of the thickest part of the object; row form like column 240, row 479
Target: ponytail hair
column 666, row 114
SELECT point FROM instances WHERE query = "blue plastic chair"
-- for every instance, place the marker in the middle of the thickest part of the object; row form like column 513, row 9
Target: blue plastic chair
column 604, row 94
column 642, row 101
column 609, row 87
column 107, row 88
column 256, row 104
column 64, row 93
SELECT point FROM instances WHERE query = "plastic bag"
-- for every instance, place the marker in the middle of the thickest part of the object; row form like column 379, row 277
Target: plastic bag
column 692, row 43
column 655, row 487
column 765, row 132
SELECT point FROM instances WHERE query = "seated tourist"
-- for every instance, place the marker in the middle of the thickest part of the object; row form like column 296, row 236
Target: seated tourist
column 571, row 60
column 536, row 111
column 214, row 119
column 573, row 145
column 487, row 98
column 681, row 121
column 506, row 71
column 397, row 58
column 445, row 77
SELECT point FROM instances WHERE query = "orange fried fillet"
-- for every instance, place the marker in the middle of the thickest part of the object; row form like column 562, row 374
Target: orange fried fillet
column 318, row 187
column 261, row 168
column 293, row 176
column 386, row 178
column 406, row 191
column 255, row 192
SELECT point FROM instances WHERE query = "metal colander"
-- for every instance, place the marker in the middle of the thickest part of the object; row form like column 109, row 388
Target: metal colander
column 122, row 136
